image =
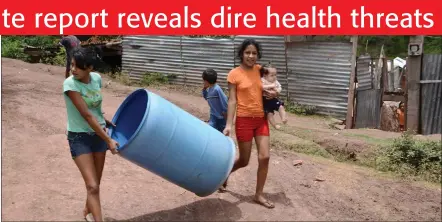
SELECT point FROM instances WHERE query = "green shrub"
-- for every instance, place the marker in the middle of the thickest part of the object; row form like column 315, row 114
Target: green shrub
column 12, row 48
column 300, row 109
column 121, row 77
column 408, row 156
column 41, row 41
column 156, row 79
column 58, row 59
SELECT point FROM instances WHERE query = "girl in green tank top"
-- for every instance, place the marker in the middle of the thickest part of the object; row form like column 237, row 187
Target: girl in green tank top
column 86, row 126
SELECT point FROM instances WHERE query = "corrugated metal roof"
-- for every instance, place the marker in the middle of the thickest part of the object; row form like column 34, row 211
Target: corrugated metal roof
column 319, row 75
column 273, row 51
column 431, row 110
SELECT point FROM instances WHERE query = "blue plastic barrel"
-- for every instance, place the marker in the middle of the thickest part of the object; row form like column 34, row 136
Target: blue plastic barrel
column 161, row 137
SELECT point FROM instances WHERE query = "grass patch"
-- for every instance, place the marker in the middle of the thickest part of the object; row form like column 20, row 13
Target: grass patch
column 370, row 140
column 306, row 134
column 293, row 143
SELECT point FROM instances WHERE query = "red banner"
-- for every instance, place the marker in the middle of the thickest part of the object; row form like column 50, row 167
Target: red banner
column 227, row 17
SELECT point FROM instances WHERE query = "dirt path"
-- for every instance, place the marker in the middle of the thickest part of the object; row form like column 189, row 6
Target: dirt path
column 40, row 181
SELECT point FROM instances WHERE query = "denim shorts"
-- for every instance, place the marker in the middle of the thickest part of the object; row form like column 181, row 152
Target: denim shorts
column 84, row 143
column 218, row 124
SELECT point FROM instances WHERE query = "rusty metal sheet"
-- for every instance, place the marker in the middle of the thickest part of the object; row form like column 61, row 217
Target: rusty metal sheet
column 319, row 75
column 431, row 94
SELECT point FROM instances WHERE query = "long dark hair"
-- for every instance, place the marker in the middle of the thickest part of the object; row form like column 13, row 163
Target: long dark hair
column 244, row 45
column 85, row 57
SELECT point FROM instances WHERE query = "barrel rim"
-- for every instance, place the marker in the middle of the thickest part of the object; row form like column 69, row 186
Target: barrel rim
column 122, row 106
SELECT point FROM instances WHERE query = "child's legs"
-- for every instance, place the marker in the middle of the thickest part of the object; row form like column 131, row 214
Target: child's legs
column 282, row 113
column 401, row 127
column 271, row 119
column 83, row 147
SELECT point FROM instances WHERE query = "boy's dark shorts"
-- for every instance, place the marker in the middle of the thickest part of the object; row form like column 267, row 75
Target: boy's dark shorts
column 218, row 124
column 272, row 105
column 84, row 143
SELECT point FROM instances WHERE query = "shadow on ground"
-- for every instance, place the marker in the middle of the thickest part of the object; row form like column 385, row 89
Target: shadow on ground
column 278, row 198
column 202, row 210
column 213, row 209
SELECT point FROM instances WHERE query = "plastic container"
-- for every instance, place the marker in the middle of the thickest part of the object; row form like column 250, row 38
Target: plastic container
column 161, row 137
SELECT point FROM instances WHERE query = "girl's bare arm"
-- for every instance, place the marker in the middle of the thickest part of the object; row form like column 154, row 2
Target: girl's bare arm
column 231, row 106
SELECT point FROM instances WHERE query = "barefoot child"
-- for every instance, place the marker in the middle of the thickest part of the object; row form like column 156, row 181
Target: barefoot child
column 270, row 83
column 400, row 114
column 216, row 98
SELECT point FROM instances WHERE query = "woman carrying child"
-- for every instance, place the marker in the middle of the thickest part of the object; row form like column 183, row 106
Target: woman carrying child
column 245, row 98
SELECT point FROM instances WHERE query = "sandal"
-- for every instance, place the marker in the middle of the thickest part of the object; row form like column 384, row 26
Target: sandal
column 223, row 188
column 266, row 203
column 89, row 217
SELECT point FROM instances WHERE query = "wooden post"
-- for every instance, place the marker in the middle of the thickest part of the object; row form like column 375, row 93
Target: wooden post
column 351, row 90
column 384, row 76
column 391, row 79
column 384, row 87
column 414, row 65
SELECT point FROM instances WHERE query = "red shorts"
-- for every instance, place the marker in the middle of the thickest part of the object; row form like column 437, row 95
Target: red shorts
column 246, row 128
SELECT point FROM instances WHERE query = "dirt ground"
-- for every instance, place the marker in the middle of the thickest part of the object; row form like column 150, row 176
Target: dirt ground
column 41, row 182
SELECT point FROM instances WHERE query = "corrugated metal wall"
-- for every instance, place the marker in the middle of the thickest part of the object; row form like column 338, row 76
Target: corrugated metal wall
column 273, row 51
column 364, row 72
column 431, row 110
column 319, row 75
column 187, row 57
column 201, row 53
column 161, row 54
column 368, row 109
column 311, row 73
